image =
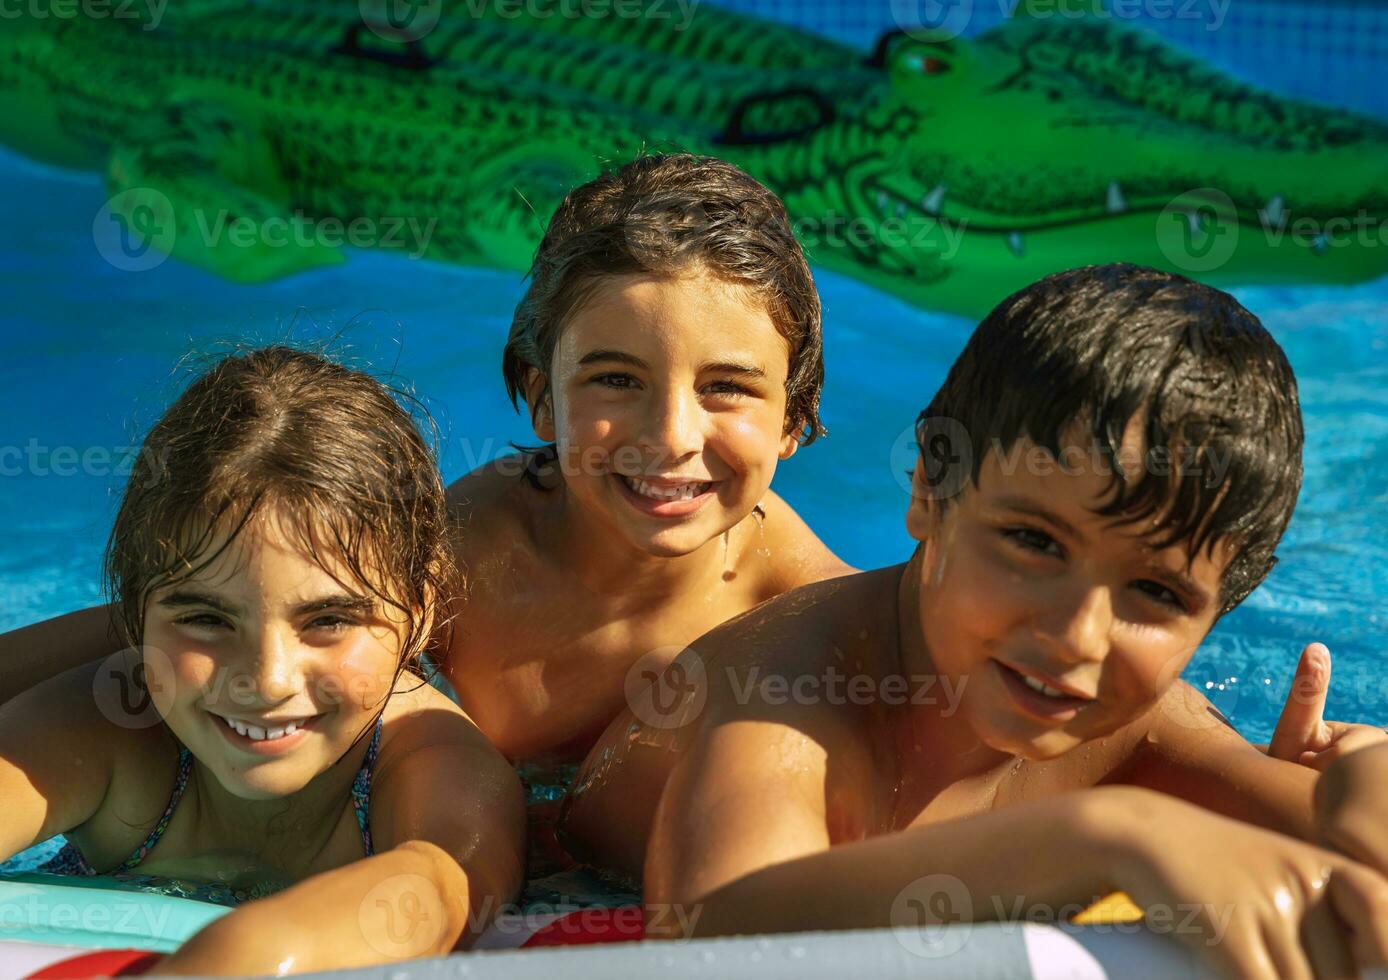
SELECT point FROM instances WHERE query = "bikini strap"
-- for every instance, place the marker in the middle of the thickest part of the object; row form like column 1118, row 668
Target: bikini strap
column 361, row 789
column 185, row 768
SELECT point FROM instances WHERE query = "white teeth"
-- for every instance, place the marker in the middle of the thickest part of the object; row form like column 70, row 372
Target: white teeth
column 1043, row 688
column 259, row 734
column 687, row 491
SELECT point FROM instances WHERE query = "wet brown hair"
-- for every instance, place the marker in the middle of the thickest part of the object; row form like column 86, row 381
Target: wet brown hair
column 662, row 215
column 1097, row 346
column 333, row 450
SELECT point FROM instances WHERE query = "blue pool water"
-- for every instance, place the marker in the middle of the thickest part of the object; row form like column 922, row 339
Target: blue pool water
column 88, row 356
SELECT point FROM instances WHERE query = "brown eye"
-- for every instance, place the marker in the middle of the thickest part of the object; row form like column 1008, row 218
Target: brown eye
column 334, row 624
column 203, row 621
column 1030, row 539
column 1160, row 593
column 620, row 382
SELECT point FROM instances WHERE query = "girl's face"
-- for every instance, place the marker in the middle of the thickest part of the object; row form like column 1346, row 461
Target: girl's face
column 669, row 408
column 266, row 667
column 1024, row 585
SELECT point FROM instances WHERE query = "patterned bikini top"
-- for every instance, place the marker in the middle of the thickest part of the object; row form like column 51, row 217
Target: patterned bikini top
column 70, row 861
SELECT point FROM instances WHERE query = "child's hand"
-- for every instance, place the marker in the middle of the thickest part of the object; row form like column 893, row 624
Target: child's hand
column 1352, row 806
column 1302, row 734
column 1255, row 903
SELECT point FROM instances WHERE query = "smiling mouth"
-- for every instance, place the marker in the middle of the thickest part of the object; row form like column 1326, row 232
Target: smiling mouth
column 665, row 491
column 266, row 731
column 1040, row 698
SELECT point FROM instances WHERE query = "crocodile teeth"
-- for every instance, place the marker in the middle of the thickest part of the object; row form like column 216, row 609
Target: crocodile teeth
column 1015, row 243
column 1115, row 203
column 901, row 209
column 1320, row 245
column 882, row 200
column 935, row 200
column 1196, row 222
column 1275, row 214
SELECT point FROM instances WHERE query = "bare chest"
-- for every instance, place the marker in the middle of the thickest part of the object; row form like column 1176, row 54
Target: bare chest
column 549, row 664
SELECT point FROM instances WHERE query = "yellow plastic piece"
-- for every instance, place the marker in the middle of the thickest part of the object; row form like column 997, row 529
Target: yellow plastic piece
column 1109, row 910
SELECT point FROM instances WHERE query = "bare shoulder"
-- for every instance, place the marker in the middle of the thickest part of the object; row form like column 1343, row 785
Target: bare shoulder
column 808, row 621
column 108, row 707
column 105, row 768
column 1178, row 734
column 493, row 492
column 778, row 662
column 797, row 556
column 492, row 511
column 1183, row 727
column 419, row 715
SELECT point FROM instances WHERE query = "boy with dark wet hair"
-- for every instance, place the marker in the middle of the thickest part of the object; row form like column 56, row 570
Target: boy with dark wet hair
column 1105, row 472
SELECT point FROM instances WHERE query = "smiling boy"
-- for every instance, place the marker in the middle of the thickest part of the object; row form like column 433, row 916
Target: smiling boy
column 668, row 351
column 1105, row 472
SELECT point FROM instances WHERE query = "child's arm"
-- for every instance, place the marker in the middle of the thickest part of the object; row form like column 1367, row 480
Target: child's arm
column 741, row 845
column 35, row 653
column 448, row 822
column 1191, row 753
column 56, row 759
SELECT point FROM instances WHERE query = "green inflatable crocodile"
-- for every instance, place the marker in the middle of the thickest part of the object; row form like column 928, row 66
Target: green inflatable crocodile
column 943, row 170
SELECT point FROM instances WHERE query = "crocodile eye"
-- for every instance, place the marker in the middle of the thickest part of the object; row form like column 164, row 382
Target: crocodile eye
column 925, row 64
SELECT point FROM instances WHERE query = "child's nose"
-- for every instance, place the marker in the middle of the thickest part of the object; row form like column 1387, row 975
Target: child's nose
column 1080, row 623
column 672, row 425
column 271, row 669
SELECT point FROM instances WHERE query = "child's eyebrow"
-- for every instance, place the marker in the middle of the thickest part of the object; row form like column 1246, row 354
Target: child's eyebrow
column 1024, row 506
column 191, row 597
column 731, row 367
column 360, row 604
column 620, row 356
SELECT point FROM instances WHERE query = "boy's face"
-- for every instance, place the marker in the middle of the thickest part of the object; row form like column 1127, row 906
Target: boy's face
column 669, row 408
column 1023, row 584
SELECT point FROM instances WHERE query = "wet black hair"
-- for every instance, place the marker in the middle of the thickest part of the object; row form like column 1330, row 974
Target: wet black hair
column 1095, row 347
